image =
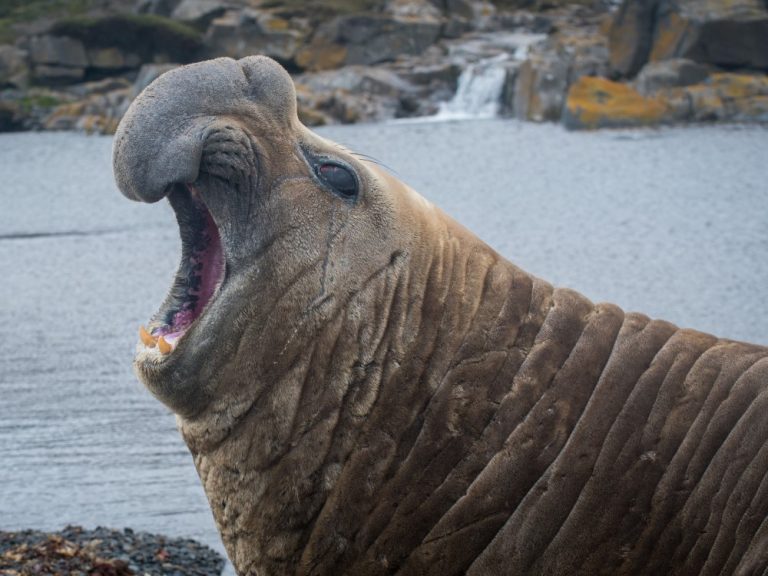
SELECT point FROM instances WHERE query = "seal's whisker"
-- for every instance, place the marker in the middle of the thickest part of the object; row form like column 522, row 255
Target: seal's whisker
column 372, row 160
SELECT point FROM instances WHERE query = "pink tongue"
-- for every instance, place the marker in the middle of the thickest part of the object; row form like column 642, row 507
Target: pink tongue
column 212, row 260
column 213, row 264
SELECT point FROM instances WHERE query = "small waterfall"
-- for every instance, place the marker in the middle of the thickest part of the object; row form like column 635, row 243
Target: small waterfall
column 478, row 94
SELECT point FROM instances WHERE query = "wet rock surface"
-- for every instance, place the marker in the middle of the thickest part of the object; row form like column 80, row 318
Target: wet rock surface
column 104, row 552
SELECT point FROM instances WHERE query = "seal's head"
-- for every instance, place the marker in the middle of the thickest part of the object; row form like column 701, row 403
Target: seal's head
column 310, row 298
column 279, row 227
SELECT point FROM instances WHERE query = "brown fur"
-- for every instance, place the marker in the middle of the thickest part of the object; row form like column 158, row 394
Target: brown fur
column 376, row 391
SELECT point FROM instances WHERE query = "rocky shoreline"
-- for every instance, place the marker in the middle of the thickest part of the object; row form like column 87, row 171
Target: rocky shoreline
column 104, row 552
column 585, row 63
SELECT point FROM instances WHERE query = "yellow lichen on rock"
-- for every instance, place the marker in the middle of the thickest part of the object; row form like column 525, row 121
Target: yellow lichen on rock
column 599, row 103
column 736, row 86
column 321, row 56
column 670, row 34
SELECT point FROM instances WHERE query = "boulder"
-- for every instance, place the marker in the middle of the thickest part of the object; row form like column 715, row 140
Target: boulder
column 50, row 75
column 354, row 94
column 725, row 33
column 507, row 101
column 431, row 76
column 601, row 103
column 723, row 97
column 201, row 12
column 586, row 51
column 158, row 7
column 31, row 107
column 419, row 9
column 371, row 80
column 11, row 117
column 320, row 55
column 14, row 72
column 150, row 38
column 374, row 38
column 670, row 74
column 460, row 8
column 147, row 74
column 631, row 36
column 104, row 86
column 57, row 51
column 731, row 97
column 540, row 89
column 112, row 59
column 241, row 33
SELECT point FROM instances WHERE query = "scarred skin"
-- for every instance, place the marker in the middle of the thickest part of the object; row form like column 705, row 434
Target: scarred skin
column 376, row 391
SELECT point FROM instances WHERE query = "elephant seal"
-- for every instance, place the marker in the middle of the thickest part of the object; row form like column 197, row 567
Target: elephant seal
column 367, row 388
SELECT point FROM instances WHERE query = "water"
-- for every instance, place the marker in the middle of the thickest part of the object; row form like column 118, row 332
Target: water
column 670, row 222
column 485, row 70
column 478, row 92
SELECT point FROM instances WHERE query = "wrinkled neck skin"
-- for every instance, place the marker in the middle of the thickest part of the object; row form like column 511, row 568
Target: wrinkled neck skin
column 451, row 414
column 331, row 378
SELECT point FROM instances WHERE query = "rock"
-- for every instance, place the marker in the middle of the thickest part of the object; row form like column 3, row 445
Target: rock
column 30, row 107
column 670, row 74
column 726, row 33
column 418, row 9
column 159, row 7
column 725, row 97
column 374, row 38
column 456, row 27
column 49, row 75
column 364, row 79
column 11, row 117
column 57, row 51
column 321, row 55
column 461, row 8
column 241, row 33
column 105, row 86
column 147, row 74
column 507, row 103
column 77, row 551
column 541, row 86
column 200, row 12
column 14, row 72
column 631, row 36
column 112, row 59
column 730, row 97
column 432, row 77
column 354, row 94
column 600, row 103
column 150, row 38
column 586, row 51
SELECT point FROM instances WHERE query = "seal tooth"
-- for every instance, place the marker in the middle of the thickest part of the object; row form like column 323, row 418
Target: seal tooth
column 147, row 339
column 164, row 346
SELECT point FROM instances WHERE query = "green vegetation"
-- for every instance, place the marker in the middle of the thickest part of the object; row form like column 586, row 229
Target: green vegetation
column 142, row 34
column 38, row 100
column 20, row 11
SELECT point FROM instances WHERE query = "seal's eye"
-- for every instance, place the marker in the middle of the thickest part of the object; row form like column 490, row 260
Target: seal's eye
column 339, row 178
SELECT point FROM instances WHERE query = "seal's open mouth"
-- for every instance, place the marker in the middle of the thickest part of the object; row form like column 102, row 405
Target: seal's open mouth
column 200, row 274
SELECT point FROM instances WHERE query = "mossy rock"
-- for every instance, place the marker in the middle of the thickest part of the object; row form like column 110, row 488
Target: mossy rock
column 599, row 103
column 145, row 34
column 15, row 12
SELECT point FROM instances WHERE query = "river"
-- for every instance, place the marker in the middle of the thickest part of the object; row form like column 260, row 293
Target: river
column 671, row 222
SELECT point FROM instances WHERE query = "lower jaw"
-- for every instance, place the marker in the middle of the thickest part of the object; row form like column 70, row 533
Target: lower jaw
column 200, row 275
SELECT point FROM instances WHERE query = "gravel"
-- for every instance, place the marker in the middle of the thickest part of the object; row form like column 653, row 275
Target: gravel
column 104, row 552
